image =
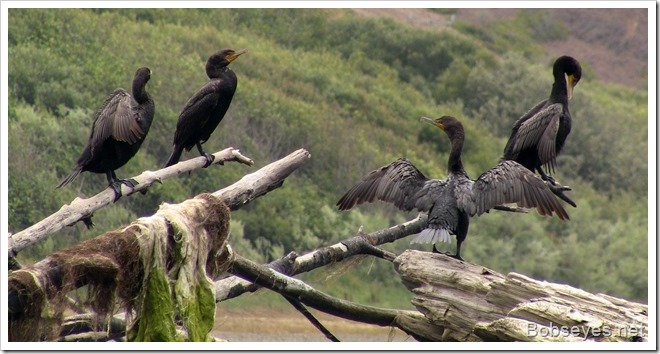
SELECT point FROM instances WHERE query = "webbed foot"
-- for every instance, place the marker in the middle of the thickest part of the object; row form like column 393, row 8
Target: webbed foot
column 116, row 186
column 456, row 256
column 87, row 220
column 209, row 159
column 559, row 192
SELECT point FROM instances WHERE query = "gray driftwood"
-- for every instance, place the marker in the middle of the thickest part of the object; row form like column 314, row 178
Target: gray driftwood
column 80, row 209
column 474, row 303
column 292, row 263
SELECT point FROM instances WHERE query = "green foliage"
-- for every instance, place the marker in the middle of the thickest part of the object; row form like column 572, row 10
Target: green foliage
column 350, row 90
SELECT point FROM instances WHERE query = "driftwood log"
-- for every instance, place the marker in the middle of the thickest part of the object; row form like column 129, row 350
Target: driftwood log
column 81, row 209
column 474, row 303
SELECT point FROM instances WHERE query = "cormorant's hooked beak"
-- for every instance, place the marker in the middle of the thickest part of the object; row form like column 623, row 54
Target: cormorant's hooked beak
column 433, row 122
column 236, row 54
column 570, row 83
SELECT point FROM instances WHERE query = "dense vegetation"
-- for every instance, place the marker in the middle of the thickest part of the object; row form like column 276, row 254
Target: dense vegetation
column 351, row 91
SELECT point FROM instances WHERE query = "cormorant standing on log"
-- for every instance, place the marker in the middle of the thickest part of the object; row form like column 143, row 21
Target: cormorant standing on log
column 539, row 135
column 451, row 202
column 120, row 126
column 206, row 108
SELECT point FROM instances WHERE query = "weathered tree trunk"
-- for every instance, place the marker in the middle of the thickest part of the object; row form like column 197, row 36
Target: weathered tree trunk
column 474, row 303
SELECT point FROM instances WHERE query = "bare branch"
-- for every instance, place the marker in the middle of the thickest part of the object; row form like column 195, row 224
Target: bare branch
column 411, row 322
column 81, row 209
column 308, row 315
column 293, row 264
column 259, row 183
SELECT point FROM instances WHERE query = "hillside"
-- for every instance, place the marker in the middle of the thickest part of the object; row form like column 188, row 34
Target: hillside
column 350, row 88
column 613, row 41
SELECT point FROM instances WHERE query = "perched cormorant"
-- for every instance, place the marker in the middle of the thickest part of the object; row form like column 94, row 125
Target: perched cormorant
column 451, row 202
column 120, row 126
column 539, row 135
column 206, row 108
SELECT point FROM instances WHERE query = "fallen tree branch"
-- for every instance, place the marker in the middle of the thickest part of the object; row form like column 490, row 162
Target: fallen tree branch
column 293, row 264
column 411, row 322
column 474, row 303
column 81, row 209
column 308, row 315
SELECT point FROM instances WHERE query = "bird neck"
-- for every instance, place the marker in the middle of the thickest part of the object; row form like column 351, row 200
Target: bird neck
column 455, row 164
column 216, row 72
column 140, row 93
column 559, row 93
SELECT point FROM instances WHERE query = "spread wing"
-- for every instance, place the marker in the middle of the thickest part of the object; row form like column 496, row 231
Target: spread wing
column 116, row 119
column 196, row 112
column 540, row 131
column 510, row 182
column 399, row 183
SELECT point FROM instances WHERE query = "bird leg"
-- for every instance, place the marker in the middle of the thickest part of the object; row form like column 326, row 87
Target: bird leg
column 547, row 177
column 116, row 183
column 209, row 157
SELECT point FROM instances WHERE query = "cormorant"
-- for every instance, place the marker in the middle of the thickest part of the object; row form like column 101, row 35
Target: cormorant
column 206, row 108
column 539, row 135
column 451, row 202
column 120, row 126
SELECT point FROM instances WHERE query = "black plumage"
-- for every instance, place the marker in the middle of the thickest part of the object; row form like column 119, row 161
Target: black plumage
column 206, row 108
column 539, row 135
column 451, row 202
column 120, row 126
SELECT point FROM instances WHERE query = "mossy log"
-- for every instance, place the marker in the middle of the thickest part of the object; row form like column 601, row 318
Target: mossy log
column 156, row 268
column 474, row 303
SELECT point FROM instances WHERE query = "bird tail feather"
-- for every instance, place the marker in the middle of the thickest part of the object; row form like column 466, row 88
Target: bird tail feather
column 70, row 177
column 174, row 158
column 432, row 236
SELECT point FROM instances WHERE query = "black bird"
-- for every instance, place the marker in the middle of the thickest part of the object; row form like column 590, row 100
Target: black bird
column 206, row 108
column 539, row 135
column 451, row 202
column 120, row 126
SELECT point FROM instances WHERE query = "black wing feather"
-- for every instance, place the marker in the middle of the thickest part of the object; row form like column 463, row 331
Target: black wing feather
column 399, row 183
column 510, row 182
column 195, row 113
column 116, row 119
column 539, row 131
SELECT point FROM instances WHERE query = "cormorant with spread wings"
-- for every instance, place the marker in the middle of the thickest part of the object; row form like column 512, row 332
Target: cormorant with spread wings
column 451, row 202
